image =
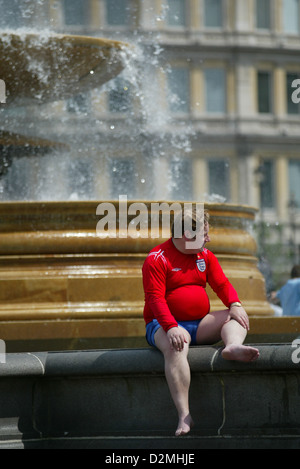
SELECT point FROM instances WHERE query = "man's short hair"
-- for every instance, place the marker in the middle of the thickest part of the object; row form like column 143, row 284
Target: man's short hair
column 189, row 218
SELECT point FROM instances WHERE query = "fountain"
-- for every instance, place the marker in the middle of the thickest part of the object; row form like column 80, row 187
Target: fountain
column 38, row 68
column 61, row 285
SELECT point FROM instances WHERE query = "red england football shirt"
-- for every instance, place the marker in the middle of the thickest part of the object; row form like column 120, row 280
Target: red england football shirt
column 174, row 285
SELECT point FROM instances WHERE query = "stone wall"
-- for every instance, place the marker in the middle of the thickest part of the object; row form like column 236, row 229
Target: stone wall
column 119, row 399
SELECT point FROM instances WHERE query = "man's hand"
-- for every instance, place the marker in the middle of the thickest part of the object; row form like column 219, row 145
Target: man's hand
column 239, row 314
column 176, row 338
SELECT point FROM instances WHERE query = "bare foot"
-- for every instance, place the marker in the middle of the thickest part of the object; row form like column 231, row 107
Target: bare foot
column 184, row 425
column 242, row 353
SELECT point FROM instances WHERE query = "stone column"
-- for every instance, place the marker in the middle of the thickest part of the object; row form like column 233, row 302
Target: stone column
column 282, row 187
column 243, row 15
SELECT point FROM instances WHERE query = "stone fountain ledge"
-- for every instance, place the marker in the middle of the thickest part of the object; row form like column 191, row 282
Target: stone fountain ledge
column 114, row 399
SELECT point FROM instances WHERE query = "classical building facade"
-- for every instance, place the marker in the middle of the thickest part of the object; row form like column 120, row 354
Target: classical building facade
column 233, row 65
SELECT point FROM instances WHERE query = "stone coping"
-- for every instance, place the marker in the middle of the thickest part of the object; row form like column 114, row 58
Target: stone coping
column 203, row 359
column 107, row 399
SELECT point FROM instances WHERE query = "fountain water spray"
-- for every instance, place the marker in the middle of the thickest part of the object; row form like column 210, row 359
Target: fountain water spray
column 147, row 124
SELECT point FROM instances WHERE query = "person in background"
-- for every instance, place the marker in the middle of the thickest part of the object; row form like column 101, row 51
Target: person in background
column 289, row 294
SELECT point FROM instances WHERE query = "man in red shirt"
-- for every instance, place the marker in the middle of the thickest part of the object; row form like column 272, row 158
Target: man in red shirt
column 177, row 310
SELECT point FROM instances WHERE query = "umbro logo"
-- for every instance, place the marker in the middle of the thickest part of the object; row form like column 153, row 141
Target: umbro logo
column 176, row 269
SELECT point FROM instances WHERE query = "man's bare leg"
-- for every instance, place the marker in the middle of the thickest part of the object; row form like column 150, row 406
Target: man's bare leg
column 178, row 376
column 218, row 325
column 233, row 336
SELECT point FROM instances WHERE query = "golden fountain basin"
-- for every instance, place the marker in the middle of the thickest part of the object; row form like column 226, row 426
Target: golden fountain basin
column 39, row 68
column 62, row 286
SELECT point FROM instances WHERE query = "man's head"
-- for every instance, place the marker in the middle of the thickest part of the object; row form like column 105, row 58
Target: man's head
column 191, row 227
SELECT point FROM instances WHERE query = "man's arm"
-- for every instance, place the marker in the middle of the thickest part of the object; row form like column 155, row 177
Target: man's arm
column 219, row 282
column 226, row 292
column 239, row 314
column 154, row 282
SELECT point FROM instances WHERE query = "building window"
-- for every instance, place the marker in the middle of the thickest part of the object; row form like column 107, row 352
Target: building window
column 11, row 14
column 264, row 87
column 267, row 185
column 118, row 12
column 79, row 104
column 75, row 12
column 80, row 179
column 119, row 97
column 263, row 14
column 123, row 180
column 291, row 14
column 179, row 89
column 176, row 15
column 218, row 174
column 213, row 13
column 292, row 108
column 19, row 182
column 181, row 177
column 294, row 178
column 215, row 90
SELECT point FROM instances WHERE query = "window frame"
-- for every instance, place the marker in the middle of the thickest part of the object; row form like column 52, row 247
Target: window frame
column 185, row 18
column 185, row 166
column 295, row 195
column 222, row 111
column 268, row 186
column 172, row 91
column 222, row 9
column 287, row 31
column 226, row 162
column 86, row 14
column 121, row 26
column 270, row 91
column 262, row 28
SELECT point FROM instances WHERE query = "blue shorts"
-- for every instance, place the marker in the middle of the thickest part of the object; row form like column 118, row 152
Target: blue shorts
column 190, row 326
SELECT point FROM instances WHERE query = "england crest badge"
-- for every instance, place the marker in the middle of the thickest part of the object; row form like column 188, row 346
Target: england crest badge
column 201, row 264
